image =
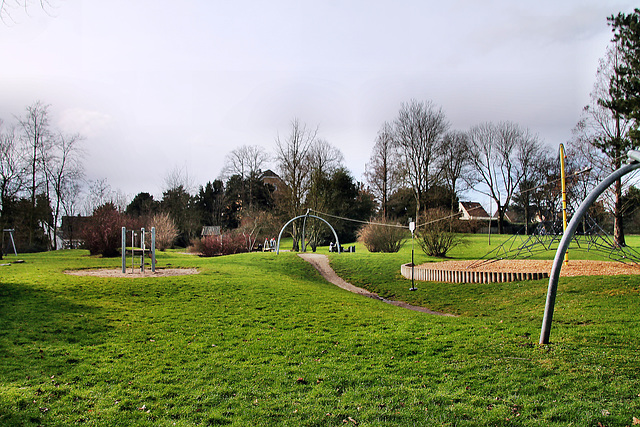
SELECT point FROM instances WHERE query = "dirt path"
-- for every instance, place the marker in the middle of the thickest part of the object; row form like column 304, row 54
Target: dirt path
column 321, row 263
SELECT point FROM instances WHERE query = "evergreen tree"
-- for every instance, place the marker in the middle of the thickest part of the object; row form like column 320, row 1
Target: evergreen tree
column 142, row 205
column 625, row 83
column 245, row 195
column 179, row 204
column 210, row 203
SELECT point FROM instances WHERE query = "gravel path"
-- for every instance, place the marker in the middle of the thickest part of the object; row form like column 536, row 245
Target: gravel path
column 321, row 263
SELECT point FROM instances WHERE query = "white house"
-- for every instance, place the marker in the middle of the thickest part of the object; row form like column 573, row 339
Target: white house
column 473, row 211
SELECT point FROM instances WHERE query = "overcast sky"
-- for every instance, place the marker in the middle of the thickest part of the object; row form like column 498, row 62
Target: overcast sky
column 159, row 85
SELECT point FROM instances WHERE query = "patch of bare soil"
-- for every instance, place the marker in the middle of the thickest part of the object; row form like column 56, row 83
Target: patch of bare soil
column 573, row 268
column 160, row 272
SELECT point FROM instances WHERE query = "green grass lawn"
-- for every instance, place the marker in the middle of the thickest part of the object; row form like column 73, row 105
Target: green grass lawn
column 259, row 339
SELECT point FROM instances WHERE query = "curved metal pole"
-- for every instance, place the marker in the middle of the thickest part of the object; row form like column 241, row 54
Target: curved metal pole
column 568, row 235
column 303, row 216
column 281, row 231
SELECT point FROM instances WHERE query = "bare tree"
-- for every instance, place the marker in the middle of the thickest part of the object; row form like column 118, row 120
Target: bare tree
column 496, row 155
column 99, row 192
column 292, row 157
column 456, row 161
column 383, row 172
column 605, row 129
column 12, row 172
column 324, row 158
column 534, row 162
column 42, row 166
column 418, row 132
column 245, row 161
column 64, row 172
column 583, row 172
column 36, row 138
column 179, row 177
column 12, row 167
column 543, row 189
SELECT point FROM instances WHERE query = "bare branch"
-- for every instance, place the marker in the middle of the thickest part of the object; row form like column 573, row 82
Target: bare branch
column 500, row 155
column 245, row 161
column 384, row 170
column 7, row 7
column 418, row 132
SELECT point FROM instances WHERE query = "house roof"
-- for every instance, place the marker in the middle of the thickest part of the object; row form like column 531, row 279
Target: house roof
column 272, row 178
column 474, row 210
column 269, row 174
column 511, row 216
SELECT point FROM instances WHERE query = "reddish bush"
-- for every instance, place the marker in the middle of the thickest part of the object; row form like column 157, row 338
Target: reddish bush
column 227, row 244
column 255, row 226
column 384, row 236
column 103, row 233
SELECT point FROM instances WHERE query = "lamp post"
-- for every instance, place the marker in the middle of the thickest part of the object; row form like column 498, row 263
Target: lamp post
column 412, row 228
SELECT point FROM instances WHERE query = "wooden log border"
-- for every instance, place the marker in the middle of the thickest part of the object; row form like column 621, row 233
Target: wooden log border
column 426, row 274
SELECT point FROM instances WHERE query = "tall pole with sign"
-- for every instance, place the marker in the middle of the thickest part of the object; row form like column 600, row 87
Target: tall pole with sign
column 412, row 228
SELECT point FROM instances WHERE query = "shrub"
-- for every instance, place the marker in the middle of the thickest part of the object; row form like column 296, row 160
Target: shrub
column 226, row 244
column 382, row 238
column 103, row 232
column 166, row 230
column 439, row 234
column 255, row 226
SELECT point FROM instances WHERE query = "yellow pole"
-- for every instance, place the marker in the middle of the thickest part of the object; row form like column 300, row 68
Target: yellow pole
column 564, row 198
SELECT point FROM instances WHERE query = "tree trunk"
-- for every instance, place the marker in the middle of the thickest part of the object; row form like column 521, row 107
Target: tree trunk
column 33, row 194
column 618, row 230
column 500, row 218
column 56, row 216
column 384, row 197
column 295, row 234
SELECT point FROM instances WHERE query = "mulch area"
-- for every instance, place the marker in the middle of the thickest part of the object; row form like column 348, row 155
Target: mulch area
column 574, row 268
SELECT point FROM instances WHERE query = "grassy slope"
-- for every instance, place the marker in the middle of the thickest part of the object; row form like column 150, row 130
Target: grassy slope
column 259, row 339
